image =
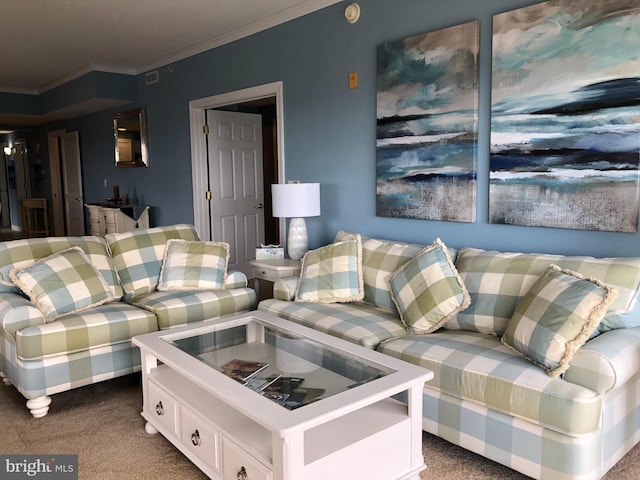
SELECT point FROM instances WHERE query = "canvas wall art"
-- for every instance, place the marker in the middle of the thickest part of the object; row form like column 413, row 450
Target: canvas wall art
column 565, row 120
column 427, row 97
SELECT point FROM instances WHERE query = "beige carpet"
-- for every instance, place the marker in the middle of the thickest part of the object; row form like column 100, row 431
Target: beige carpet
column 102, row 424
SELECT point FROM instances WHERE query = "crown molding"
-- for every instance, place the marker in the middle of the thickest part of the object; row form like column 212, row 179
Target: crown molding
column 256, row 27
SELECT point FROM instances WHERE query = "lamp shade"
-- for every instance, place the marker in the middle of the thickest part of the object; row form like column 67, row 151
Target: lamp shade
column 293, row 200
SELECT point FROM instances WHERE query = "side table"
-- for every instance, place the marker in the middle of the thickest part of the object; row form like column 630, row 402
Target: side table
column 273, row 269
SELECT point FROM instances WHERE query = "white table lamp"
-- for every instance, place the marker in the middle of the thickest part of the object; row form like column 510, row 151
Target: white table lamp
column 296, row 201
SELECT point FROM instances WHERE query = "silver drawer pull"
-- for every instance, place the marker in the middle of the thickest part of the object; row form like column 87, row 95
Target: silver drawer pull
column 159, row 409
column 242, row 474
column 195, row 438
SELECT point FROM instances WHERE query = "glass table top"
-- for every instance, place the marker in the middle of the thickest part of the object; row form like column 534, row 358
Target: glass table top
column 290, row 370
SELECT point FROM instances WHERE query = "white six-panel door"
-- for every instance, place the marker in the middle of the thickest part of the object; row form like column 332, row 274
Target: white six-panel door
column 236, row 184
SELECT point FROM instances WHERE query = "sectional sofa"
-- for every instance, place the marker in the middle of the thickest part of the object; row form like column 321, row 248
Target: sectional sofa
column 105, row 290
column 572, row 415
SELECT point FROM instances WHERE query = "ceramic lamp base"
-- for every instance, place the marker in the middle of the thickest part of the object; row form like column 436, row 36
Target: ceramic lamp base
column 297, row 239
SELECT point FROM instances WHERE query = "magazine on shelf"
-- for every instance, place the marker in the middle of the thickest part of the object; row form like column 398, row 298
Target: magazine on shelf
column 262, row 380
column 276, row 397
column 285, row 385
column 303, row 396
column 242, row 370
column 288, row 392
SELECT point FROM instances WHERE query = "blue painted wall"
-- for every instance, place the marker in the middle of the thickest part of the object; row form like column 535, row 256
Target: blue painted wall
column 329, row 129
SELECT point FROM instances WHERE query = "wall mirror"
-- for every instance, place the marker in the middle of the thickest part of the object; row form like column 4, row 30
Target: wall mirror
column 130, row 133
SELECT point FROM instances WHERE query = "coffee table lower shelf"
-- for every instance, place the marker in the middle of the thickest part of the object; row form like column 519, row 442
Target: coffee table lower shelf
column 371, row 443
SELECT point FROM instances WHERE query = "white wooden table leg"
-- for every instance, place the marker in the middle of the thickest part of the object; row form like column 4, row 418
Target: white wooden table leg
column 149, row 362
column 150, row 429
column 39, row 406
column 5, row 379
column 414, row 405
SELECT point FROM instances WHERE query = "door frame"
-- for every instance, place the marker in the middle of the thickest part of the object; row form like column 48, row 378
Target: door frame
column 5, row 209
column 199, row 144
column 58, row 226
column 22, row 182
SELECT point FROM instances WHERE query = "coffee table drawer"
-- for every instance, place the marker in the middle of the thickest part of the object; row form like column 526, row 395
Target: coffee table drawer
column 236, row 462
column 200, row 438
column 163, row 407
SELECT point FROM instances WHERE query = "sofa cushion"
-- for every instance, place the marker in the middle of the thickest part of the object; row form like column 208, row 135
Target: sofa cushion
column 496, row 281
column 194, row 265
column 63, row 283
column 332, row 273
column 359, row 323
column 179, row 307
column 138, row 255
column 556, row 317
column 427, row 290
column 21, row 253
column 380, row 258
column 104, row 325
column 607, row 361
column 477, row 367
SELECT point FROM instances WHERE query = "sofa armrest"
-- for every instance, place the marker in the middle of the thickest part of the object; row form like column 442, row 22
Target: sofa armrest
column 285, row 288
column 235, row 279
column 607, row 361
column 16, row 313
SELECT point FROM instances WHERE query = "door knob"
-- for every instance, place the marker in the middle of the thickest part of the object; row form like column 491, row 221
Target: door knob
column 259, row 206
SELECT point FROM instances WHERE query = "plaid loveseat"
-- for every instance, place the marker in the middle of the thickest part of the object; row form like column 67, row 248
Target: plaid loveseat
column 484, row 396
column 41, row 357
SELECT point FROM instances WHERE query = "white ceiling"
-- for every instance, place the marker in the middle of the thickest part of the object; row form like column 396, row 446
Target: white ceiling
column 45, row 43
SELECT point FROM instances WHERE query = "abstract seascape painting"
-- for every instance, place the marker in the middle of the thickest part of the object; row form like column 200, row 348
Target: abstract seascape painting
column 565, row 119
column 427, row 96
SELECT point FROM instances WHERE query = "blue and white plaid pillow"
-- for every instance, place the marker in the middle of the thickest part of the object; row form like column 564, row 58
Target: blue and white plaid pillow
column 556, row 317
column 138, row 255
column 63, row 283
column 194, row 265
column 332, row 274
column 428, row 290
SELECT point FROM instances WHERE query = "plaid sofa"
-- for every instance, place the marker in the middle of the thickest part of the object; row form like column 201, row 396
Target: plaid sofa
column 43, row 358
column 484, row 397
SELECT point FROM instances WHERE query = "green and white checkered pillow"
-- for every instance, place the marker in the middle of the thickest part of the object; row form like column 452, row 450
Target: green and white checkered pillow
column 194, row 265
column 63, row 283
column 138, row 255
column 427, row 290
column 556, row 317
column 496, row 282
column 380, row 258
column 24, row 252
column 332, row 274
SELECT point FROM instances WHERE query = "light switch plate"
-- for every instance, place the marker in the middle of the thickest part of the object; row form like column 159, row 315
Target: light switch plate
column 353, row 80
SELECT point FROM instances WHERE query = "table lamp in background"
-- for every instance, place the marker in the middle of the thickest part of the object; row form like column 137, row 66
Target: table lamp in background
column 296, row 201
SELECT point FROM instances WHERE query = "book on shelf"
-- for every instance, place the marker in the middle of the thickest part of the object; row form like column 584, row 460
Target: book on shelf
column 285, row 385
column 262, row 380
column 287, row 391
column 303, row 396
column 242, row 370
column 276, row 396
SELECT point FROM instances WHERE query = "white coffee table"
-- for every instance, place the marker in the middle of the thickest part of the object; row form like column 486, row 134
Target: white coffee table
column 356, row 430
